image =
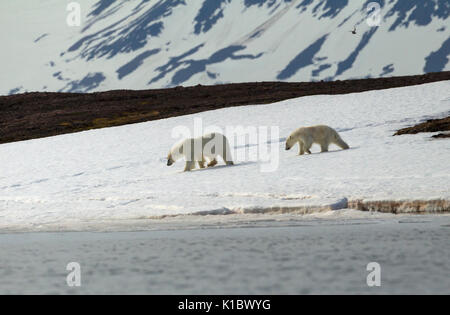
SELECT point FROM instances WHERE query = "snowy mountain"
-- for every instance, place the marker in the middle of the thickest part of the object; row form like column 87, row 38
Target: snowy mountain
column 142, row 44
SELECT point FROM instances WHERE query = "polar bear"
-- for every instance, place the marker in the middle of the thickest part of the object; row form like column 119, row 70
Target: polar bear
column 201, row 150
column 320, row 134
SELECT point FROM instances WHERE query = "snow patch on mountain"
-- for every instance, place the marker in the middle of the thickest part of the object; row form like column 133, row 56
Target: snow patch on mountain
column 142, row 44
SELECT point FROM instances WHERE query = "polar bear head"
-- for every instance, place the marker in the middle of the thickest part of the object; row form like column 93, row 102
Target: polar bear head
column 170, row 160
column 175, row 153
column 290, row 141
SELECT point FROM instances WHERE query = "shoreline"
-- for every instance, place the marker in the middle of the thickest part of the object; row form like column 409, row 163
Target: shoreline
column 274, row 216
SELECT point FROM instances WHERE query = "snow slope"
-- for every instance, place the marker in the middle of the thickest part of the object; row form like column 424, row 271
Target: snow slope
column 120, row 173
column 141, row 44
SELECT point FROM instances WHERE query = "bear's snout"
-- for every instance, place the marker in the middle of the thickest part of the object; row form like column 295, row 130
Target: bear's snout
column 169, row 162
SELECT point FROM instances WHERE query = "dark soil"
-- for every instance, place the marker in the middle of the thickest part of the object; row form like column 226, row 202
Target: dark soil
column 441, row 135
column 35, row 115
column 432, row 125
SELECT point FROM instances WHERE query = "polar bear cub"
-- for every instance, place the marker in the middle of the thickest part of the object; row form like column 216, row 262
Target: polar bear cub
column 202, row 150
column 320, row 134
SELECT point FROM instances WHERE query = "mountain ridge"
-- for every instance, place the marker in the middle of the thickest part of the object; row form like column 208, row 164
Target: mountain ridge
column 142, row 44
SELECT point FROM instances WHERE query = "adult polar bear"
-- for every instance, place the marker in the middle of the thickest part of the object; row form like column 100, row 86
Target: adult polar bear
column 320, row 134
column 201, row 150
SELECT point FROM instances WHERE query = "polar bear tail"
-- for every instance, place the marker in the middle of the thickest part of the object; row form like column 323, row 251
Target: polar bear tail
column 227, row 153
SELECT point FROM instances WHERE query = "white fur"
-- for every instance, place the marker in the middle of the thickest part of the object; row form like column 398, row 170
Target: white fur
column 201, row 150
column 320, row 134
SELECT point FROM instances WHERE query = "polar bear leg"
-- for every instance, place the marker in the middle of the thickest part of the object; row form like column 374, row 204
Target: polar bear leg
column 341, row 143
column 212, row 163
column 190, row 165
column 301, row 148
column 308, row 144
column 202, row 163
column 227, row 162
column 324, row 147
column 227, row 153
column 337, row 140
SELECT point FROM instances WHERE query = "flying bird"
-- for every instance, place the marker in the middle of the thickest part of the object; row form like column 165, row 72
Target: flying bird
column 354, row 30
